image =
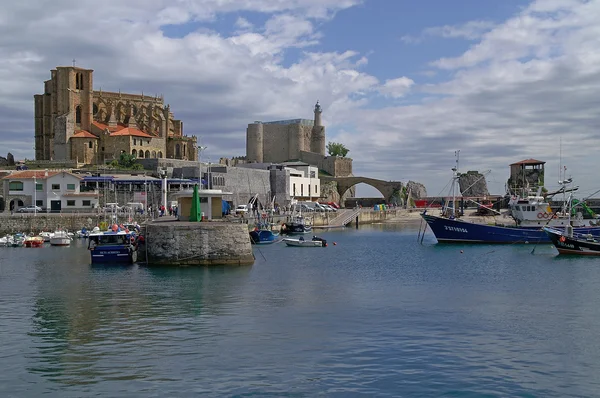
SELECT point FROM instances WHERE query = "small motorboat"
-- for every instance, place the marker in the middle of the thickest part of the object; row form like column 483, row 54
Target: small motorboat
column 301, row 242
column 34, row 241
column 60, row 238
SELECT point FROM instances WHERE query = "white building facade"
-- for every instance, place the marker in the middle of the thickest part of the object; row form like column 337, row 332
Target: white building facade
column 53, row 191
column 304, row 182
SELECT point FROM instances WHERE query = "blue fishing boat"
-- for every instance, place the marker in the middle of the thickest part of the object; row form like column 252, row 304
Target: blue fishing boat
column 262, row 233
column 113, row 247
column 263, row 237
column 530, row 215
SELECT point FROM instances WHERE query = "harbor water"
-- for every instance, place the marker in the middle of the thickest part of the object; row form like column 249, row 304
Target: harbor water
column 377, row 314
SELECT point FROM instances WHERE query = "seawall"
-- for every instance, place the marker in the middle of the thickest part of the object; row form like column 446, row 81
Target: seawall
column 10, row 224
column 190, row 243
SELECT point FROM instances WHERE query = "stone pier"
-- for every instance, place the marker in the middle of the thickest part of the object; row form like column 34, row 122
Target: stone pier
column 198, row 243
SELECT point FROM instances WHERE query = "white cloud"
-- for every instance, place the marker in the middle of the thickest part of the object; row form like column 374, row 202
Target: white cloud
column 243, row 24
column 396, row 88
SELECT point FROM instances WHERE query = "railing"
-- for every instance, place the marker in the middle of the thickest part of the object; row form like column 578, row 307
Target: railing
column 344, row 218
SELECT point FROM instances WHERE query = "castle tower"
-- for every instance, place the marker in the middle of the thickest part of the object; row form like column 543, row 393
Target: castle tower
column 254, row 142
column 317, row 142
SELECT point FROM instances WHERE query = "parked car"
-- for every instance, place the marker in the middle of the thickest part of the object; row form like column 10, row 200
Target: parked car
column 241, row 209
column 30, row 209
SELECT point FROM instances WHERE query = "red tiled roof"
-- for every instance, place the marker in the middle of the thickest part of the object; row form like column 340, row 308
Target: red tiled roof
column 83, row 134
column 121, row 130
column 131, row 131
column 39, row 174
column 529, row 161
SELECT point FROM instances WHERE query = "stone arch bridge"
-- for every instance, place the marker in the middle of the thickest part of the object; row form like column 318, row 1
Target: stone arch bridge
column 387, row 188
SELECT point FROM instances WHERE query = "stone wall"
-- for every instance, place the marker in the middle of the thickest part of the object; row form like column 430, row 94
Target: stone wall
column 245, row 183
column 333, row 165
column 187, row 243
column 63, row 127
column 81, row 150
column 46, row 222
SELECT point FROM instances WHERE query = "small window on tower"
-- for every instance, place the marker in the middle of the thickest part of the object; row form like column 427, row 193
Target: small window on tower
column 78, row 114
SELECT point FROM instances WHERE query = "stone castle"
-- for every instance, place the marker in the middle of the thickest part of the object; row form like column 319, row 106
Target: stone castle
column 75, row 123
column 294, row 140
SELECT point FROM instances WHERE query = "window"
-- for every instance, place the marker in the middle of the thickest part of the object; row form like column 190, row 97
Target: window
column 70, row 203
column 309, row 189
column 86, row 202
column 301, row 189
column 90, row 145
column 15, row 186
column 39, row 186
column 141, row 143
column 294, row 189
column 55, row 187
column 39, row 203
column 70, row 187
column 78, row 114
column 134, row 141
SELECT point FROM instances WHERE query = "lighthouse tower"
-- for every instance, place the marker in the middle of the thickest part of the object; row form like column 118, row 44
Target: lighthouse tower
column 317, row 143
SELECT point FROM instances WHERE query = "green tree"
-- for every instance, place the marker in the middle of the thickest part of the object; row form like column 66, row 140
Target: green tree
column 126, row 160
column 337, row 149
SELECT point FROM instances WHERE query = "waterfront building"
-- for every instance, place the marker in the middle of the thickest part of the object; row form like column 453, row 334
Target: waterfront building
column 528, row 174
column 77, row 125
column 53, row 191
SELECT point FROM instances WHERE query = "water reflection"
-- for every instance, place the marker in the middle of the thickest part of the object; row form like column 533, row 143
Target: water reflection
column 101, row 323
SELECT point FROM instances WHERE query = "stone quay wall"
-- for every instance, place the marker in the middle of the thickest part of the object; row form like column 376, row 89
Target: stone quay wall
column 190, row 243
column 366, row 216
column 26, row 223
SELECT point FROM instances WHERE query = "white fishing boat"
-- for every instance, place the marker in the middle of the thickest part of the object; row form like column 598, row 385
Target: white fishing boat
column 46, row 236
column 60, row 238
column 301, row 242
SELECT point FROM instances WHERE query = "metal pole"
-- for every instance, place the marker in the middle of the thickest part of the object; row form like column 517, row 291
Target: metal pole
column 34, row 195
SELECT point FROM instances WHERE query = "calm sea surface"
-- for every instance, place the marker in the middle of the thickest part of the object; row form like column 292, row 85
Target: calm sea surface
column 375, row 315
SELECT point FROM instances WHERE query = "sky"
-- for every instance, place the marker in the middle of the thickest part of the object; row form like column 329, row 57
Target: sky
column 403, row 84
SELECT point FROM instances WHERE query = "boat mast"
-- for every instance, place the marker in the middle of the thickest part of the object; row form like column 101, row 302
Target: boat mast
column 454, row 181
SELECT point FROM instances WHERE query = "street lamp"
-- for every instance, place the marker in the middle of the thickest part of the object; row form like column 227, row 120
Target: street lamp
column 200, row 149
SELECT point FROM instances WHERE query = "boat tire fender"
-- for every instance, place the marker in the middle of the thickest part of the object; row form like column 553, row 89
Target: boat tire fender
column 562, row 239
column 540, row 215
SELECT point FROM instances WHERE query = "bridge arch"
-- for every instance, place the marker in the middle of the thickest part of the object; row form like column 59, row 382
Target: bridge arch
column 387, row 188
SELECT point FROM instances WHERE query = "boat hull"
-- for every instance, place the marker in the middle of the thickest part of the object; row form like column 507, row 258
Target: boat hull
column 113, row 255
column 302, row 243
column 60, row 241
column 575, row 245
column 34, row 243
column 458, row 231
column 263, row 237
column 292, row 228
